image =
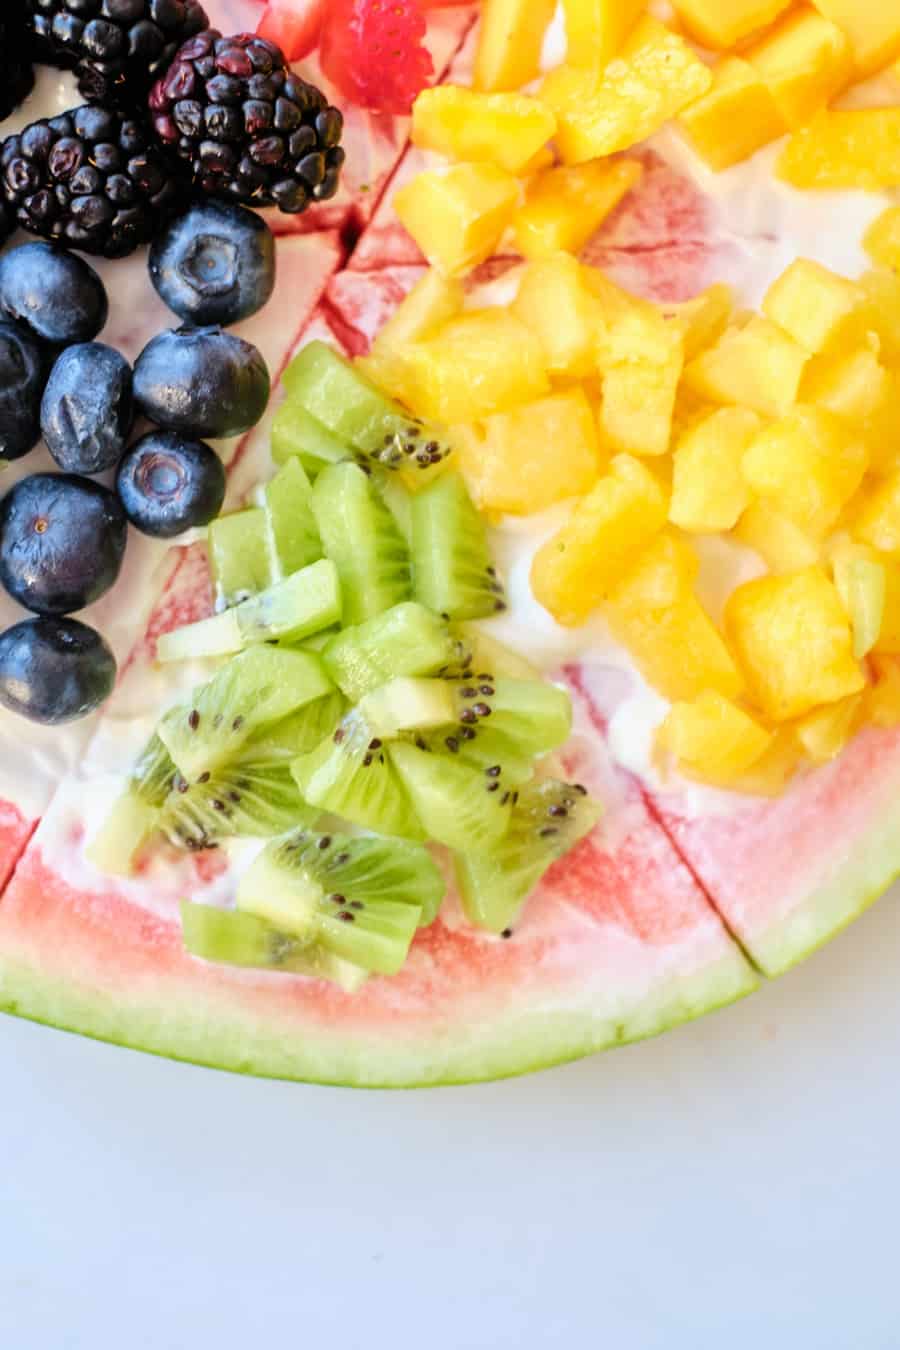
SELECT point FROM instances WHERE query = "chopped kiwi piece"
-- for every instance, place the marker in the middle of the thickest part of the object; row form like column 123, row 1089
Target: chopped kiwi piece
column 349, row 775
column 458, row 805
column 287, row 501
column 228, row 937
column 362, row 899
column 548, row 820
column 254, row 797
column 300, row 731
column 290, row 610
column 378, row 430
column 362, row 539
column 258, row 687
column 405, row 640
column 135, row 816
column 407, row 704
column 298, row 435
column 486, row 653
column 240, row 556
column 453, row 572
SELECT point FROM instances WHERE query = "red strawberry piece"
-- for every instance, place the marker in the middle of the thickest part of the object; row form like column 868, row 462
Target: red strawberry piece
column 293, row 25
column 373, row 50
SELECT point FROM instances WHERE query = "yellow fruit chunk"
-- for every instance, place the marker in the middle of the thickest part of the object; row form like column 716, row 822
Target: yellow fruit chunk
column 882, row 429
column 888, row 637
column 431, row 302
column 792, row 637
column 824, row 733
column 770, row 775
column 873, row 27
column 882, row 290
column 721, row 24
column 853, row 384
column 602, row 110
column 642, row 358
column 712, row 739
column 805, row 61
column 537, row 455
column 565, row 206
column 734, row 119
column 845, row 148
column 704, row 319
column 780, row 543
column 510, row 40
column 457, row 218
column 597, row 29
column 807, row 466
column 819, row 309
column 758, row 366
column 503, row 129
column 882, row 699
column 882, row 239
column 861, row 579
column 555, row 303
column 575, row 570
column 655, row 614
column 877, row 521
column 709, row 491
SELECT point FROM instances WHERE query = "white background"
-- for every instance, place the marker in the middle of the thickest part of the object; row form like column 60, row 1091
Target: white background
column 732, row 1185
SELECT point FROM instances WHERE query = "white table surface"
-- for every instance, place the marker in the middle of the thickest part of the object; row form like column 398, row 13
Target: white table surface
column 732, row 1185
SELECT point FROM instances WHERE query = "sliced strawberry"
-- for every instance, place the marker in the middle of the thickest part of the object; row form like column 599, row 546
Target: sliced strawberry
column 293, row 25
column 373, row 51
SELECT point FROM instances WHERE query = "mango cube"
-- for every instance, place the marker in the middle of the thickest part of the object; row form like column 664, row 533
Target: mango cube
column 458, row 218
column 709, row 491
column 737, row 117
column 537, row 455
column 759, row 366
column 575, row 571
column 872, row 26
column 804, row 61
column 853, row 385
column 824, row 733
column 807, row 466
column 503, row 129
column 792, row 637
column 602, row 110
column 564, row 207
column 510, row 41
column 597, row 29
column 882, row 239
column 819, row 309
column 642, row 358
column 877, row 519
column 845, row 148
column 556, row 304
column 779, row 542
column 704, row 319
column 721, row 24
column 712, row 739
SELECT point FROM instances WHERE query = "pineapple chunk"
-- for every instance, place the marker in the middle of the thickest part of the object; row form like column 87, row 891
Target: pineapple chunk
column 555, row 303
column 431, row 302
column 483, row 362
column 793, row 640
column 882, row 290
column 574, row 571
column 808, row 466
column 458, row 217
column 824, row 733
column 805, row 61
column 712, row 739
column 721, row 24
column 704, row 318
column 873, row 27
column 819, row 309
column 597, row 29
column 510, row 41
column 535, row 456
column 882, row 429
column 862, row 583
column 758, row 366
column 564, row 207
column 877, row 520
column 642, row 358
column 655, row 614
column 737, row 117
column 882, row 239
column 709, row 491
column 845, row 148
column 888, row 639
column 770, row 775
column 602, row 110
column 853, row 385
column 882, row 699
column 503, row 129
column 780, row 543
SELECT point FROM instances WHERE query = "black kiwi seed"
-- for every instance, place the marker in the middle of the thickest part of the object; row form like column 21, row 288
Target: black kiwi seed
column 338, row 736
column 181, row 784
column 484, row 677
column 237, row 723
column 375, row 744
column 582, row 791
column 500, row 607
column 487, row 690
column 194, row 719
column 557, row 811
column 420, row 744
column 468, row 693
column 346, row 917
column 467, row 733
column 341, row 859
column 389, row 440
column 507, row 933
column 452, row 745
column 219, row 805
column 467, row 715
column 548, row 831
column 325, row 841
column 482, row 709
column 493, row 787
column 234, row 797
column 504, row 799
column 337, row 899
column 515, row 799
column 494, row 771
column 367, row 760
column 204, row 777
column 357, row 904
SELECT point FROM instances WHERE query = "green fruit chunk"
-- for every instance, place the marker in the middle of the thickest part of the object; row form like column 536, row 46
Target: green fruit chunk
column 240, row 556
column 458, row 805
column 297, row 435
column 407, row 704
column 228, row 937
column 135, row 816
column 257, row 798
column 453, row 572
column 300, row 731
column 287, row 501
column 362, row 539
column 407, row 639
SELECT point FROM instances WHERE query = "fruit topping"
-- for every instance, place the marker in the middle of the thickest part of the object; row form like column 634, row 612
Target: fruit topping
column 54, row 670
column 361, row 535
column 87, row 408
column 168, row 484
column 453, row 572
column 201, row 382
column 215, row 264
column 54, row 293
column 373, row 50
column 22, row 374
column 16, row 73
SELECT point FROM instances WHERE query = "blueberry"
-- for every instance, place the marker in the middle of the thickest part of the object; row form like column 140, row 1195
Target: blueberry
column 62, row 540
column 216, row 264
column 54, row 670
column 168, row 484
column 55, row 293
column 202, row 382
column 87, row 408
column 22, row 374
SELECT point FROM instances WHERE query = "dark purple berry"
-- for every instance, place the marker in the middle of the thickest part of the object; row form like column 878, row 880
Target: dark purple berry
column 168, row 484
column 54, row 670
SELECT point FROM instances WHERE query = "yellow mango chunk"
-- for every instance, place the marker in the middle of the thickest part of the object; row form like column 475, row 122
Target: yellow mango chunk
column 535, row 456
column 845, row 148
column 458, row 218
column 597, row 29
column 873, row 27
column 734, row 119
column 807, row 466
column 703, row 319
column 503, row 129
column 564, row 207
column 819, row 309
column 655, row 614
column 853, row 385
column 792, row 638
column 510, row 41
column 483, row 362
column 824, row 733
column 882, row 698
column 780, row 543
column 721, row 24
column 642, row 358
column 877, row 519
column 575, row 571
column 759, row 366
column 804, row 61
column 709, row 491
column 882, row 239
column 555, row 303
column 602, row 110
column 712, row 739
column 882, row 290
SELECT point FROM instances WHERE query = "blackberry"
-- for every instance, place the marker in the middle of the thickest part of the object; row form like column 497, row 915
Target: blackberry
column 115, row 47
column 250, row 129
column 91, row 178
column 16, row 71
